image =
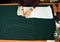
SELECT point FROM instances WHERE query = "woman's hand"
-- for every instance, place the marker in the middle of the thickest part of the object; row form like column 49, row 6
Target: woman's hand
column 21, row 10
column 27, row 13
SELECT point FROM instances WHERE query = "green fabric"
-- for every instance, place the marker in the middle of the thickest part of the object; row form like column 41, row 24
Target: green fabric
column 19, row 28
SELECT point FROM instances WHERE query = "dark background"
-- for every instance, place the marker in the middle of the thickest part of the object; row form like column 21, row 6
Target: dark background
column 14, row 1
column 7, row 1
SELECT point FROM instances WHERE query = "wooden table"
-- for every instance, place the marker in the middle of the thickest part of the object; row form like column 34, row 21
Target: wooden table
column 55, row 10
